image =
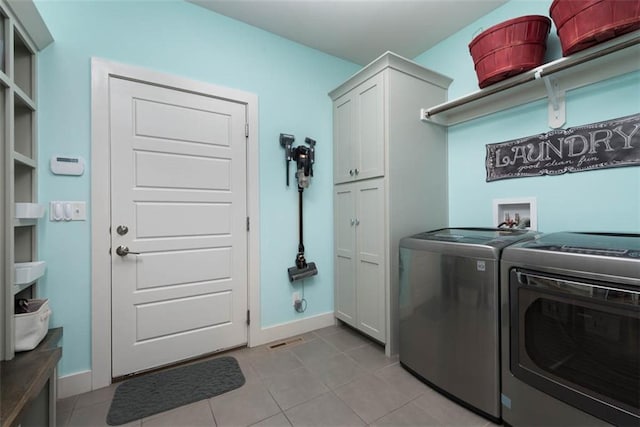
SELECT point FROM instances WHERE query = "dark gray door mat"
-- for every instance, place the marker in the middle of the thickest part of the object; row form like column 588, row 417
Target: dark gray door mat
column 158, row 392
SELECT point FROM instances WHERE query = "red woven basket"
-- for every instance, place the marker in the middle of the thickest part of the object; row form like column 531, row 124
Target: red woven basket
column 584, row 23
column 509, row 48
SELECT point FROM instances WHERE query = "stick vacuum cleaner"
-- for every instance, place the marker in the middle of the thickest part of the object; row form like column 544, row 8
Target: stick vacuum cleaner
column 304, row 157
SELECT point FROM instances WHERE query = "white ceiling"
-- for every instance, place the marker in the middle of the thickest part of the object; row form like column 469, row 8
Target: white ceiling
column 358, row 30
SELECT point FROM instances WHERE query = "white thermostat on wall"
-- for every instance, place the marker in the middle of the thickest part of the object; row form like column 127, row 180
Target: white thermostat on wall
column 67, row 165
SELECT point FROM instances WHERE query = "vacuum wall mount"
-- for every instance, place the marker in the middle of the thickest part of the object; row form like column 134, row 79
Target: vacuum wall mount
column 305, row 158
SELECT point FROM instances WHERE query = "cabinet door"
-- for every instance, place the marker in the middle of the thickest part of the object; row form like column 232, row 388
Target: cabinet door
column 370, row 270
column 343, row 139
column 345, row 253
column 369, row 142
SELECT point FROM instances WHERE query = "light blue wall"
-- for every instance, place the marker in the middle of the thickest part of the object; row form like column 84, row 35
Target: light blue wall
column 292, row 82
column 606, row 199
column 176, row 37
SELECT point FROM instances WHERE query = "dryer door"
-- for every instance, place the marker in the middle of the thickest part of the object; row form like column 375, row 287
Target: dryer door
column 579, row 341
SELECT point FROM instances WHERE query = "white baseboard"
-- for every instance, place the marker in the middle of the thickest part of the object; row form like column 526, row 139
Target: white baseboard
column 295, row 327
column 73, row 384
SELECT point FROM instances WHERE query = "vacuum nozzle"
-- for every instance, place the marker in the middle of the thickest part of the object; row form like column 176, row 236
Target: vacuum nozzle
column 296, row 273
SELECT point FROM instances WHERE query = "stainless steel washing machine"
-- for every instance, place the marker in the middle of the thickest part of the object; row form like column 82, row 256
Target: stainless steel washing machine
column 570, row 329
column 449, row 307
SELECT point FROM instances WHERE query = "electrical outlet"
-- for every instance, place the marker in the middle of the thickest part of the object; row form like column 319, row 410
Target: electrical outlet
column 294, row 298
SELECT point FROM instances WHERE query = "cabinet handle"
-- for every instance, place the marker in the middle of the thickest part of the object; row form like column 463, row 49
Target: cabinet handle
column 351, row 172
column 357, row 171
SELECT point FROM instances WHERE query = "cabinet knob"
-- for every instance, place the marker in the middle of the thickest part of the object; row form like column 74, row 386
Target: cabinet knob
column 351, row 172
column 353, row 222
column 357, row 221
column 357, row 171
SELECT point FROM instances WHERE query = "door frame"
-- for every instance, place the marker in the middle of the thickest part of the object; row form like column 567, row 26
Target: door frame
column 101, row 71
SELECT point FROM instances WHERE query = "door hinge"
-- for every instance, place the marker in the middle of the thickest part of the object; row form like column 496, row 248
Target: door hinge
column 248, row 224
column 248, row 317
column 246, row 130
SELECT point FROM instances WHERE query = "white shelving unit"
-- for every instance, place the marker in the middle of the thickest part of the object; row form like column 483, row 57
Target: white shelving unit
column 601, row 62
column 22, row 34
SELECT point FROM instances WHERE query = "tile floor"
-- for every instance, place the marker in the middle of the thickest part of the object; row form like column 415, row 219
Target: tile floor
column 330, row 377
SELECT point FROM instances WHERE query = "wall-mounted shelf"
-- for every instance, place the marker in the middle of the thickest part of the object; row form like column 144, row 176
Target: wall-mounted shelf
column 23, row 99
column 606, row 60
column 21, row 222
column 24, row 160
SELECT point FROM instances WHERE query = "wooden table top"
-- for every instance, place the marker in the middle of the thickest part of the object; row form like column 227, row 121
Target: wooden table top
column 22, row 378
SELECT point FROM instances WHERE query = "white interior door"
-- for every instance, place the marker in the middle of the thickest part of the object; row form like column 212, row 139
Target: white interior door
column 178, row 184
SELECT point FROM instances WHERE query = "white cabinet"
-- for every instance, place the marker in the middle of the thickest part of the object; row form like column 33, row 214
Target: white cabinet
column 390, row 176
column 359, row 132
column 360, row 256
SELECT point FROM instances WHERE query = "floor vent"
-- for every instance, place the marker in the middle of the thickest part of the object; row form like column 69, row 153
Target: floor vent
column 286, row 343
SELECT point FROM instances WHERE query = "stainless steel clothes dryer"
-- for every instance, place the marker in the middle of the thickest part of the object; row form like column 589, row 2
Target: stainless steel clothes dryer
column 570, row 329
column 449, row 307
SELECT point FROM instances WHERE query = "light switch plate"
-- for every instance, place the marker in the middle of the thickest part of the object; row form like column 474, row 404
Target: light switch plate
column 67, row 211
column 78, row 211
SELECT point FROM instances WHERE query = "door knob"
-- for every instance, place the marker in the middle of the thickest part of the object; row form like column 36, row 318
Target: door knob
column 122, row 230
column 124, row 251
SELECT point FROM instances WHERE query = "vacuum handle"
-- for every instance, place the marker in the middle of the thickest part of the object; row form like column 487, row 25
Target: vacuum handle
column 286, row 142
column 286, row 166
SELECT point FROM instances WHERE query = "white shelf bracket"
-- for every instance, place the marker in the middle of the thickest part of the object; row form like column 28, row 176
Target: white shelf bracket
column 557, row 106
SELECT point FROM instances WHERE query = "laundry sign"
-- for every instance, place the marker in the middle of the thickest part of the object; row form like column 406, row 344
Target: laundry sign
column 609, row 144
